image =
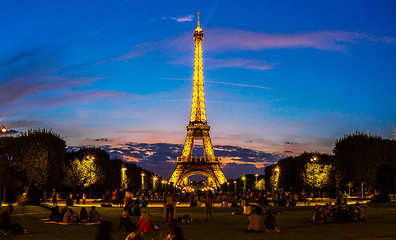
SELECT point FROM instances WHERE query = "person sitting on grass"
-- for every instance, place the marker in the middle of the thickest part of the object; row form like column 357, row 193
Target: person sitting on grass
column 94, row 216
column 317, row 216
column 145, row 224
column 63, row 212
column 254, row 222
column 55, row 215
column 175, row 232
column 126, row 222
column 247, row 209
column 134, row 234
column 270, row 222
column 128, row 209
column 68, row 217
column 83, row 215
column 341, row 214
column 7, row 225
column 328, row 213
column 360, row 215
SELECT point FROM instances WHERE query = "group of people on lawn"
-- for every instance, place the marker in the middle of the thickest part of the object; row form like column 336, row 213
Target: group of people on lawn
column 145, row 224
column 66, row 215
column 343, row 213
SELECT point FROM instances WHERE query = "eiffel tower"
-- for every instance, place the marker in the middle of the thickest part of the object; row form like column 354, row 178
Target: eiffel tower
column 198, row 129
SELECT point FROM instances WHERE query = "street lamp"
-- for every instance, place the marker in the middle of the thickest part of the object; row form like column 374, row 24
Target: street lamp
column 3, row 129
column 155, row 179
column 349, row 186
column 90, row 177
column 143, row 180
column 313, row 160
column 235, row 185
column 244, row 183
column 256, row 180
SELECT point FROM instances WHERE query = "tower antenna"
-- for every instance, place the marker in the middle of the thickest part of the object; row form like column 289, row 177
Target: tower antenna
column 198, row 19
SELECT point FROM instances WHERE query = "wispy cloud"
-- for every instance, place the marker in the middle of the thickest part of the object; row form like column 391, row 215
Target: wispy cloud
column 141, row 49
column 33, row 80
column 255, row 64
column 224, row 83
column 188, row 18
column 236, row 40
column 228, row 40
column 239, row 85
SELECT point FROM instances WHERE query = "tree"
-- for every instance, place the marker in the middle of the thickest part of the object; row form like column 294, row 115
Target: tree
column 74, row 174
column 10, row 185
column 39, row 155
column 358, row 157
column 260, row 185
column 274, row 178
column 316, row 175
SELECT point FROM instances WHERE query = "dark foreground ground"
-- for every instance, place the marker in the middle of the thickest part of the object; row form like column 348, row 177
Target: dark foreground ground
column 294, row 224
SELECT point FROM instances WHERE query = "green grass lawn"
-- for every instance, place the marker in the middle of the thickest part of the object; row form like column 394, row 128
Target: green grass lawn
column 294, row 224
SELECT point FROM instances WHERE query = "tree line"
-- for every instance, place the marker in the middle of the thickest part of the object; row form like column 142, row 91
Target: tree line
column 362, row 164
column 37, row 162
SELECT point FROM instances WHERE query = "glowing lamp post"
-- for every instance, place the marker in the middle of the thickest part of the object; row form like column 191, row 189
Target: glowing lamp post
column 313, row 160
column 143, row 180
column 235, row 185
column 90, row 178
column 256, row 175
column 244, row 183
column 154, row 181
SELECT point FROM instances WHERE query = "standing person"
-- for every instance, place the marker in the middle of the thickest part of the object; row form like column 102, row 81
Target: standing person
column 145, row 224
column 304, row 198
column 209, row 204
column 344, row 198
column 69, row 200
column 275, row 198
column 54, row 198
column 170, row 203
column 84, row 197
column 77, row 198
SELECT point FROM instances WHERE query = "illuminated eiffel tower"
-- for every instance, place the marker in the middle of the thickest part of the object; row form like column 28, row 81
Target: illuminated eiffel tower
column 198, row 129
